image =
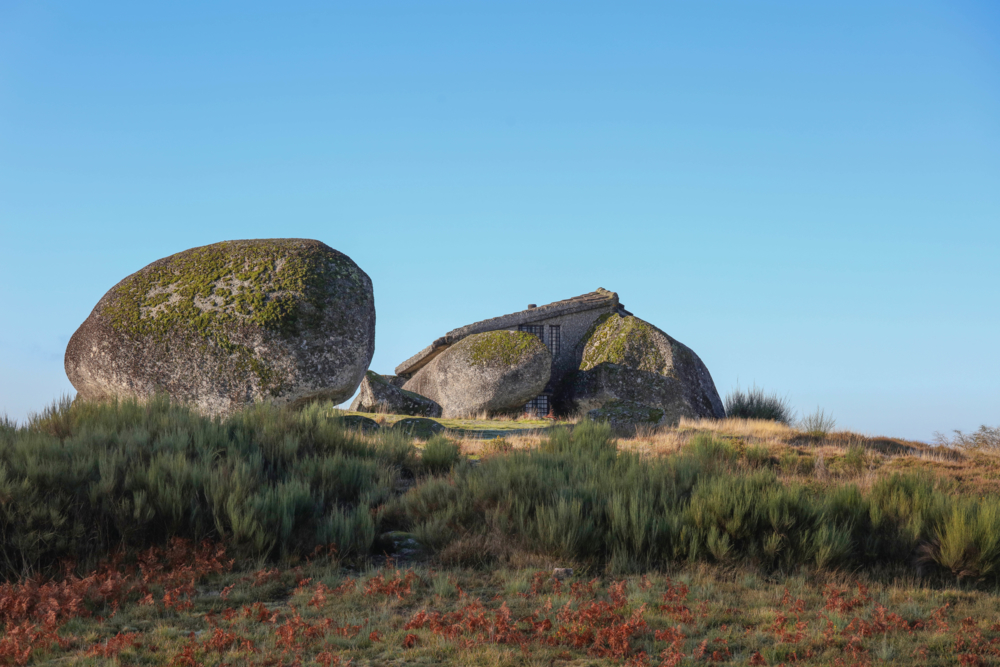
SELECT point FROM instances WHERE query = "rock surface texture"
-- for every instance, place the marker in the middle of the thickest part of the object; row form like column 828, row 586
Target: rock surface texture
column 418, row 427
column 623, row 358
column 379, row 395
column 626, row 414
column 489, row 372
column 225, row 325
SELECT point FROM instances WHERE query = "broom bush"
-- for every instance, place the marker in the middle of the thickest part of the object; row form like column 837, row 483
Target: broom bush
column 85, row 479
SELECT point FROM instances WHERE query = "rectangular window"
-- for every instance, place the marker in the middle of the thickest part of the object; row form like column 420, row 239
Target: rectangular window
column 538, row 406
column 533, row 329
column 555, row 340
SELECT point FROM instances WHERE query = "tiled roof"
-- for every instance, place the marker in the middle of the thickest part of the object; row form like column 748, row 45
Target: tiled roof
column 602, row 298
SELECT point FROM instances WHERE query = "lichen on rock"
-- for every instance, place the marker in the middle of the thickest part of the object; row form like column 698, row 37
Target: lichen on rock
column 623, row 358
column 377, row 394
column 231, row 323
column 626, row 341
column 495, row 371
column 626, row 414
column 418, row 427
column 500, row 349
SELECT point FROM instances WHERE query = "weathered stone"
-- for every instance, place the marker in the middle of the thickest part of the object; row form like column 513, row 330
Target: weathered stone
column 624, row 358
column 358, row 423
column 378, row 395
column 488, row 372
column 626, row 414
column 395, row 380
column 233, row 323
column 418, row 427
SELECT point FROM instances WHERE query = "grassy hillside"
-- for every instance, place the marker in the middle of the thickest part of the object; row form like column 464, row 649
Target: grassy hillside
column 706, row 524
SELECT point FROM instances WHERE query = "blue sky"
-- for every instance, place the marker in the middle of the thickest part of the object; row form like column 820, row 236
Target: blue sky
column 807, row 194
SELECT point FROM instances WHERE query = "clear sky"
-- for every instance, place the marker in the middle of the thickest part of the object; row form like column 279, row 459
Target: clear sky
column 805, row 193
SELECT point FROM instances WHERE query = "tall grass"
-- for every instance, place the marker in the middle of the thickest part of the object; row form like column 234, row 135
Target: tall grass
column 81, row 479
column 755, row 403
column 987, row 437
column 578, row 499
column 818, row 423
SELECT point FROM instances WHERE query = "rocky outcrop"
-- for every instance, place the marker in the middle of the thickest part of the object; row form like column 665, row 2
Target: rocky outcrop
column 378, row 395
column 626, row 414
column 418, row 427
column 358, row 423
column 490, row 372
column 225, row 325
column 623, row 358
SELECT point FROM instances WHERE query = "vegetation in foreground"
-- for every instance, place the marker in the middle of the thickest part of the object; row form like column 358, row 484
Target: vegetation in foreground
column 733, row 510
column 185, row 606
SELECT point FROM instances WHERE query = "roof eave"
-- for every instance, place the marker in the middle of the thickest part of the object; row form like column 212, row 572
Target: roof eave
column 604, row 300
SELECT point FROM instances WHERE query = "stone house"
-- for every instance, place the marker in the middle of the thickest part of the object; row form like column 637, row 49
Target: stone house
column 560, row 325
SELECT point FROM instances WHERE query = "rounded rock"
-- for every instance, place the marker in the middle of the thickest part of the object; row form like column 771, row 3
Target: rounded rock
column 623, row 358
column 222, row 326
column 496, row 371
column 418, row 427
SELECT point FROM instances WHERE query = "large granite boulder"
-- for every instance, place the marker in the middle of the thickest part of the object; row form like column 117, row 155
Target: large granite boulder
column 377, row 394
column 626, row 415
column 496, row 371
column 418, row 427
column 623, row 358
column 233, row 323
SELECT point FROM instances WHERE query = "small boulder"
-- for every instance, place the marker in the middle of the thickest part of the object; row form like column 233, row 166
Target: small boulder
column 496, row 371
column 358, row 423
column 378, row 395
column 221, row 326
column 626, row 415
column 418, row 427
column 623, row 358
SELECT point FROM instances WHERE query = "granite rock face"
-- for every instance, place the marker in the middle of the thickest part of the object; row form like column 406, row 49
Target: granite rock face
column 359, row 423
column 418, row 427
column 379, row 395
column 624, row 358
column 229, row 324
column 626, row 414
column 496, row 371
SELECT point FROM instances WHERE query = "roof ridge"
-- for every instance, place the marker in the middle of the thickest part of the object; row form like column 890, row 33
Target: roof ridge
column 600, row 298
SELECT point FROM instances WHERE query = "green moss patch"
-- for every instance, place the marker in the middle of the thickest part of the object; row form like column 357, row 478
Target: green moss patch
column 627, row 341
column 628, row 412
column 473, row 426
column 499, row 349
column 278, row 285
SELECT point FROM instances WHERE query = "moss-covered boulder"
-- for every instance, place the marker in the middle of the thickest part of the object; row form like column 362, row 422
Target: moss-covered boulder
column 378, row 395
column 229, row 324
column 359, row 423
column 418, row 427
column 496, row 371
column 623, row 358
column 626, row 415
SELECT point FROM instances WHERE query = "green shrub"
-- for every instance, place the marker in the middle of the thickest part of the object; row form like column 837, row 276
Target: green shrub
column 755, row 403
column 856, row 458
column 985, row 438
column 757, row 456
column 818, row 424
column 967, row 539
column 81, row 479
column 439, row 455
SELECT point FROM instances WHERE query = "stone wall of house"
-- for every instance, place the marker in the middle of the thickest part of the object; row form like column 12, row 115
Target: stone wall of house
column 572, row 328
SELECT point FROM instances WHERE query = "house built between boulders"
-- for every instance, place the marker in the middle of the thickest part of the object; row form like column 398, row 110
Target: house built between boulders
column 561, row 326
